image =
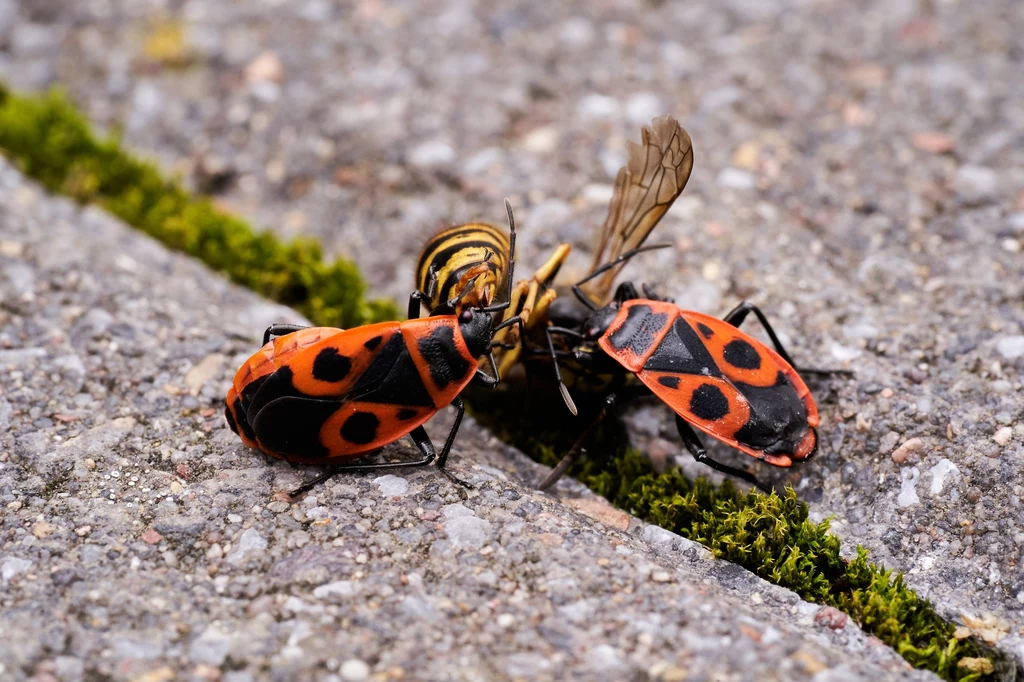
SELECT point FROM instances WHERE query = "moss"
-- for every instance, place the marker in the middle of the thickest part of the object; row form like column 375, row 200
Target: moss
column 769, row 535
column 50, row 141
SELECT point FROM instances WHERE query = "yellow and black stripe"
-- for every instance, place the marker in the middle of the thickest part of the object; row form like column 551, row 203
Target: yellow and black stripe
column 466, row 264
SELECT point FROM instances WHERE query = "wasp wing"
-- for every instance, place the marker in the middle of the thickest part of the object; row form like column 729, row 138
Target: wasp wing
column 654, row 175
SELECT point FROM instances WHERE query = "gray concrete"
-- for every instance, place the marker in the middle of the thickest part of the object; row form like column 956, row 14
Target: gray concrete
column 859, row 173
column 143, row 541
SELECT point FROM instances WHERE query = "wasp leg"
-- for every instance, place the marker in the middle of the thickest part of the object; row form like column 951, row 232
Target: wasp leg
column 535, row 303
column 693, row 445
column 738, row 314
column 280, row 330
column 518, row 291
column 539, row 316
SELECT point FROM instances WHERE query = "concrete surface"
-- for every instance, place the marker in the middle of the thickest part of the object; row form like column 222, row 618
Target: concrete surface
column 859, row 173
column 142, row 541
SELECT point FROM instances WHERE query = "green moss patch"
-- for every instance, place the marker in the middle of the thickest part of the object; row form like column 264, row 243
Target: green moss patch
column 49, row 140
column 767, row 534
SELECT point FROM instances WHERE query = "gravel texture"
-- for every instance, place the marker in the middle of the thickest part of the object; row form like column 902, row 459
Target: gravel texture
column 859, row 173
column 142, row 541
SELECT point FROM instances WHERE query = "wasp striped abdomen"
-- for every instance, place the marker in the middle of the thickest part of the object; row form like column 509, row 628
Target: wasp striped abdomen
column 463, row 266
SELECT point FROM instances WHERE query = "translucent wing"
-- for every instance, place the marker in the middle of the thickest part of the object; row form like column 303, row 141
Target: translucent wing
column 654, row 175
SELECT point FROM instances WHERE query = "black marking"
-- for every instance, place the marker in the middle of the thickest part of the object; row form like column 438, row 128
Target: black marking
column 682, row 351
column 268, row 388
column 637, row 332
column 671, row 382
column 707, row 331
column 230, row 417
column 243, row 421
column 250, row 391
column 392, row 378
column 446, row 363
column 405, row 414
column 331, row 366
column 708, row 402
column 739, row 353
column 373, row 343
column 778, row 418
column 291, row 425
column 360, row 428
column 440, row 259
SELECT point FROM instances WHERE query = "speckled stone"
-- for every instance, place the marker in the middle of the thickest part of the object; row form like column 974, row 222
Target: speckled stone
column 858, row 174
column 142, row 541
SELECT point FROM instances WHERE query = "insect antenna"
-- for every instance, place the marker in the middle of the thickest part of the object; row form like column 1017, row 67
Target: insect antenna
column 576, row 288
column 511, row 262
column 554, row 362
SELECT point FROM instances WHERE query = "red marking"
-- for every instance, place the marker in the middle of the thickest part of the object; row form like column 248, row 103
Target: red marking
column 679, row 398
column 348, row 343
column 299, row 351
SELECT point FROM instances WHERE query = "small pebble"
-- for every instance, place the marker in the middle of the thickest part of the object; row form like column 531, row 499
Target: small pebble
column 734, row 178
column 265, row 68
column 934, row 142
column 910, row 446
column 976, row 184
column 831, row 617
column 151, row 537
column 354, row 670
column 1011, row 347
column 433, row 153
column 888, row 442
column 43, row 529
column 1003, row 435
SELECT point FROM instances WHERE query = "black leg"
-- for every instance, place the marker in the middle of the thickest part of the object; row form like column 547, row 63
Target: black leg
column 432, row 281
column 414, row 303
column 627, row 292
column 423, row 441
column 419, row 437
column 515, row 320
column 577, row 448
column 692, row 443
column 328, row 474
column 280, row 330
column 511, row 344
column 738, row 314
column 461, row 407
column 622, row 397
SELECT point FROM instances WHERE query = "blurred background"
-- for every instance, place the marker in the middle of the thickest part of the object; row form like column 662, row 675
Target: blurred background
column 823, row 131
